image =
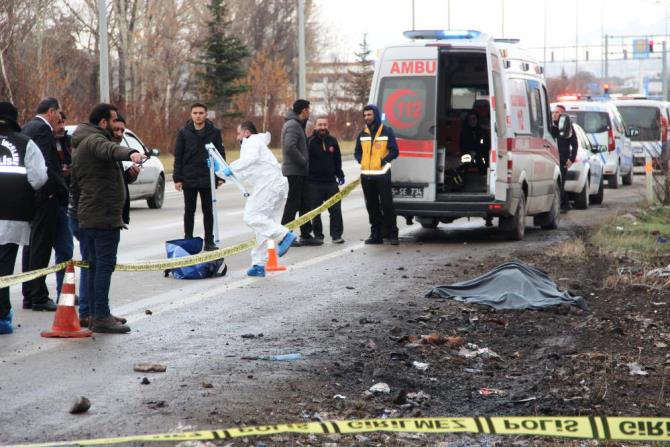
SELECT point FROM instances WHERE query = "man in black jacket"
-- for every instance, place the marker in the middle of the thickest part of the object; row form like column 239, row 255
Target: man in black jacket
column 49, row 199
column 325, row 166
column 567, row 152
column 191, row 172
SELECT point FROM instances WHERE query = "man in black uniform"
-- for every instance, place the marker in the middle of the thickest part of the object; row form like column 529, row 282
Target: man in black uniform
column 567, row 151
column 325, row 166
column 22, row 172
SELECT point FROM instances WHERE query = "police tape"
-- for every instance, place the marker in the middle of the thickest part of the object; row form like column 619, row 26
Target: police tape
column 656, row 429
column 167, row 264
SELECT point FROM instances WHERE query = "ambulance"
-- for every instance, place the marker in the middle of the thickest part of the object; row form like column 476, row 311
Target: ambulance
column 426, row 88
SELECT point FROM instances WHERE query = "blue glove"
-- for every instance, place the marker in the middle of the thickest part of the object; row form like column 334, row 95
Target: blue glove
column 227, row 171
column 340, row 181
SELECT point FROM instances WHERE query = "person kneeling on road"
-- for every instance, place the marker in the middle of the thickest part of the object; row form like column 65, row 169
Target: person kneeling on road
column 258, row 167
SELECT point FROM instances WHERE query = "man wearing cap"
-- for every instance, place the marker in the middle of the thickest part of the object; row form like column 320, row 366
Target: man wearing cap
column 22, row 172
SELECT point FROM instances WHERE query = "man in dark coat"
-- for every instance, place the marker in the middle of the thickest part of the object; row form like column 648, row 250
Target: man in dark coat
column 48, row 202
column 191, row 172
column 567, row 151
column 99, row 185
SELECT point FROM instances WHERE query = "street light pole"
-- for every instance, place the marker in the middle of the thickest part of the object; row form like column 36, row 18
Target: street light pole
column 544, row 52
column 104, row 51
column 576, row 43
column 302, row 89
column 502, row 15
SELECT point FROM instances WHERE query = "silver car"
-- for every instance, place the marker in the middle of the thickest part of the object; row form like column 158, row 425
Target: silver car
column 150, row 184
column 584, row 182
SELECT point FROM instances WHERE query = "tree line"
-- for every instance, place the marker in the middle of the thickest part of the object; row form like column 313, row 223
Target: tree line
column 238, row 56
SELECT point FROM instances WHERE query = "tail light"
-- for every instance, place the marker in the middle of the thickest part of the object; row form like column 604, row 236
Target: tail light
column 664, row 129
column 611, row 143
column 510, row 168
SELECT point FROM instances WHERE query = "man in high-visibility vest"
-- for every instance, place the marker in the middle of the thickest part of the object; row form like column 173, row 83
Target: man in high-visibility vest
column 376, row 147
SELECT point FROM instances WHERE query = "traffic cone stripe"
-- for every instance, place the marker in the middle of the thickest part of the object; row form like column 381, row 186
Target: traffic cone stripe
column 273, row 262
column 66, row 320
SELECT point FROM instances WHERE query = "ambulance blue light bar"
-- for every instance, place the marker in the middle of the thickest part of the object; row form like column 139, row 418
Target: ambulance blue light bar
column 447, row 34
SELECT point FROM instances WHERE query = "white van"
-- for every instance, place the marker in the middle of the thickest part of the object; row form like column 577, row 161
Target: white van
column 425, row 89
column 648, row 116
column 605, row 127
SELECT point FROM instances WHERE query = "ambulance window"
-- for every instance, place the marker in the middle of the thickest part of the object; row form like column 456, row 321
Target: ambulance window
column 519, row 108
column 408, row 105
column 501, row 123
column 463, row 98
column 547, row 108
column 535, row 101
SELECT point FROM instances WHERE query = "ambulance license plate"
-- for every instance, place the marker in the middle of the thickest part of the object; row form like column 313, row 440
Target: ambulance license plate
column 404, row 192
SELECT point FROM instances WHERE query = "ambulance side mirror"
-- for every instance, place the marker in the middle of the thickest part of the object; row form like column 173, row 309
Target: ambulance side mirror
column 564, row 126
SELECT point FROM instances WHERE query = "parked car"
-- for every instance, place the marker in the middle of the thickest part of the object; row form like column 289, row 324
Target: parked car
column 585, row 182
column 604, row 126
column 649, row 116
column 150, row 184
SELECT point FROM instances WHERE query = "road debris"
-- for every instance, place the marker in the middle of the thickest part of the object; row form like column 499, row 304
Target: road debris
column 486, row 391
column 636, row 369
column 471, row 350
column 81, row 405
column 420, row 365
column 380, row 388
column 149, row 367
column 145, row 381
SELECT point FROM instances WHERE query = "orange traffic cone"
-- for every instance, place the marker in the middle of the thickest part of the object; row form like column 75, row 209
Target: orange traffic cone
column 273, row 264
column 66, row 321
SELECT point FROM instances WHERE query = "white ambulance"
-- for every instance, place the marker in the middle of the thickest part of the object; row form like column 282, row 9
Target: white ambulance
column 425, row 90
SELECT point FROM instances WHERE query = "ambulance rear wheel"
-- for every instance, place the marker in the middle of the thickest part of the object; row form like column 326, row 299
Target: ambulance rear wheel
column 515, row 226
column 429, row 223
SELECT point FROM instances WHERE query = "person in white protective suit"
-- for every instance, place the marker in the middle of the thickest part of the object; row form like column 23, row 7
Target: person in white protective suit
column 258, row 168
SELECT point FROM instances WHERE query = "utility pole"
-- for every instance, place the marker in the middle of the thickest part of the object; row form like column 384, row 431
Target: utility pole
column 302, row 90
column 607, row 39
column 664, row 71
column 544, row 53
column 413, row 23
column 104, row 51
column 576, row 44
column 502, row 15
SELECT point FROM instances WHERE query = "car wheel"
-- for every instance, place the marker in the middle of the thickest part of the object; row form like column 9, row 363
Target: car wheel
column 550, row 219
column 582, row 200
column 156, row 201
column 628, row 178
column 614, row 180
column 597, row 198
column 515, row 226
column 430, row 224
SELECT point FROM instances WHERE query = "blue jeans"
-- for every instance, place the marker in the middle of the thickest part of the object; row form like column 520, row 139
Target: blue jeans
column 83, row 273
column 101, row 248
column 63, row 245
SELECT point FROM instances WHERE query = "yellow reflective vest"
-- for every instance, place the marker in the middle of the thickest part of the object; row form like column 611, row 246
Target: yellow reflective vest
column 374, row 149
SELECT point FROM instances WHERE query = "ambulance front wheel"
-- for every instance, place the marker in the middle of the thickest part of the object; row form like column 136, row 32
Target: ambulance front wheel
column 428, row 222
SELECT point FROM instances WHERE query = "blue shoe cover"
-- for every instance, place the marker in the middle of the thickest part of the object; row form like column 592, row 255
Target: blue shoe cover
column 6, row 325
column 285, row 243
column 256, row 270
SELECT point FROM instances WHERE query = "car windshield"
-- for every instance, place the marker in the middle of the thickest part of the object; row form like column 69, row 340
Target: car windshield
column 644, row 118
column 591, row 122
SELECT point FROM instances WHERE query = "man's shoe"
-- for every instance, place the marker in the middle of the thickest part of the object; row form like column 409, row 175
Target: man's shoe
column 27, row 304
column 47, row 305
column 391, row 241
column 374, row 240
column 6, row 324
column 295, row 243
column 311, row 241
column 86, row 321
column 319, row 237
column 338, row 240
column 211, row 247
column 109, row 325
column 286, row 243
column 256, row 270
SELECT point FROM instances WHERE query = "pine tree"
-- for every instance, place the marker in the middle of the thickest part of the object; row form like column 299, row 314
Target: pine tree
column 361, row 78
column 222, row 64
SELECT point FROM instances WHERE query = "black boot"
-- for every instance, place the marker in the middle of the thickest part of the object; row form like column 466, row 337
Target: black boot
column 374, row 239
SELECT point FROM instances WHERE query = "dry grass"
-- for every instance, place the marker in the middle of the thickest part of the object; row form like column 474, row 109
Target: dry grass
column 573, row 248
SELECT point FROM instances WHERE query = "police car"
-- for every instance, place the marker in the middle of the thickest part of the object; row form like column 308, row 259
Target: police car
column 426, row 87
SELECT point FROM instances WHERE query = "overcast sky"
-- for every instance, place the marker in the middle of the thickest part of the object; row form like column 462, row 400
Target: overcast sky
column 385, row 20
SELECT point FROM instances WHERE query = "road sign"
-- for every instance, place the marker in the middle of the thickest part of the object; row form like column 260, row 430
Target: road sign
column 640, row 49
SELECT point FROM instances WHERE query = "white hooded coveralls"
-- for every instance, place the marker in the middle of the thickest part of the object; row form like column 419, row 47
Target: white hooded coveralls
column 258, row 168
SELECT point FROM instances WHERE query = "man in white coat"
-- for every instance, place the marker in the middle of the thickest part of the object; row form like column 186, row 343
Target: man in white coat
column 258, row 168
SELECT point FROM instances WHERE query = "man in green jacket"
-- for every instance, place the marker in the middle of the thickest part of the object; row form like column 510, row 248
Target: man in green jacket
column 101, row 196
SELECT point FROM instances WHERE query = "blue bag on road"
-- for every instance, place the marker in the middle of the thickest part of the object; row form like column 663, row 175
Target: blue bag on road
column 179, row 248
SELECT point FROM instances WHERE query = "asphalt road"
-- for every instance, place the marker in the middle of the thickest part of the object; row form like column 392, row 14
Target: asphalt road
column 195, row 327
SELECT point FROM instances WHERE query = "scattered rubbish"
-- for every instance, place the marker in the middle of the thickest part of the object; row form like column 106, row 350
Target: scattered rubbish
column 155, row 404
column 380, row 388
column 636, row 369
column 419, row 396
column 618, row 228
column 512, row 285
column 339, row 397
column 662, row 240
column 420, row 366
column 473, row 370
column 350, row 288
column 149, row 367
column 434, row 340
column 400, row 397
column 471, row 350
column 277, row 357
column 248, row 335
column 148, row 312
column 399, row 356
column 660, row 344
column 521, row 401
column 207, row 385
column 485, row 391
column 81, row 405
column 145, row 381
column 371, row 345
column 662, row 272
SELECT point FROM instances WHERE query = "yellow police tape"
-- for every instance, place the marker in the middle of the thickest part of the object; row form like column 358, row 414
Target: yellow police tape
column 166, row 264
column 654, row 429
